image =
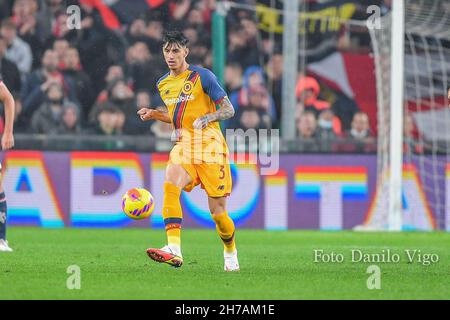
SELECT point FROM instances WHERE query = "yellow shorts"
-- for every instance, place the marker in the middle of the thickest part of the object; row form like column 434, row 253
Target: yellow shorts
column 214, row 178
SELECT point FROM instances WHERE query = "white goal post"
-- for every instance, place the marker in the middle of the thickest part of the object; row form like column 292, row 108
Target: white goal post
column 412, row 62
column 396, row 111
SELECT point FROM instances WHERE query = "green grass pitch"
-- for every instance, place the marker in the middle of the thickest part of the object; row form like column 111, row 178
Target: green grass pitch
column 274, row 265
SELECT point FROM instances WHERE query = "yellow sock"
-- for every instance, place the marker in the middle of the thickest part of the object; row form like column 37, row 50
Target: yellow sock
column 172, row 213
column 225, row 229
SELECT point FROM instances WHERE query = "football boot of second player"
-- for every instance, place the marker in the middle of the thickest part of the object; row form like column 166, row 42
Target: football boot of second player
column 4, row 246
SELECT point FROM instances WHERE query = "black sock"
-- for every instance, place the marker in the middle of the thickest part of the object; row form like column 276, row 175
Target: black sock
column 2, row 216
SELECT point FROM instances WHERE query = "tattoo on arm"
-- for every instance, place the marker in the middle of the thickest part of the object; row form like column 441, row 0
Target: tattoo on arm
column 226, row 111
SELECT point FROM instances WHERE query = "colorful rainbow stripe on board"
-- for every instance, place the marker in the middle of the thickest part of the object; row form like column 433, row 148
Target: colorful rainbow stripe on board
column 159, row 160
column 308, row 180
column 106, row 160
column 278, row 179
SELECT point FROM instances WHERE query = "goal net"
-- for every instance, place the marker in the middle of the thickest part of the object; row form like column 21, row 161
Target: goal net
column 426, row 121
column 342, row 53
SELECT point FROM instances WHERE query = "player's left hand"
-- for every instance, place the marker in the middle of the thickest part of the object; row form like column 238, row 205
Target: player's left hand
column 7, row 141
column 201, row 122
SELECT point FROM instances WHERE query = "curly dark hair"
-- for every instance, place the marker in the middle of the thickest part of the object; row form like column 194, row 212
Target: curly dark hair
column 175, row 37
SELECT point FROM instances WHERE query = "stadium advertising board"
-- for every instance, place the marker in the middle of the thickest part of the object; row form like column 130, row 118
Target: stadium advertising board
column 84, row 189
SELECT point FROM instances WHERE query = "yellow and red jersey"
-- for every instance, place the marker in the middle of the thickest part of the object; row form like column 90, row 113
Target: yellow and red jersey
column 188, row 96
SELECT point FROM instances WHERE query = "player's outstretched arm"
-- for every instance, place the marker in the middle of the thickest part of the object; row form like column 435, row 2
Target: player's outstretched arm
column 8, row 101
column 225, row 111
column 160, row 113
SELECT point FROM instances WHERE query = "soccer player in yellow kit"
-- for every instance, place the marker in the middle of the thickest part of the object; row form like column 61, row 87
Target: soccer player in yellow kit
column 200, row 155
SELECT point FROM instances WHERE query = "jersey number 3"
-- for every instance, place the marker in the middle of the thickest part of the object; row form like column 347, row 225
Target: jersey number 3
column 222, row 172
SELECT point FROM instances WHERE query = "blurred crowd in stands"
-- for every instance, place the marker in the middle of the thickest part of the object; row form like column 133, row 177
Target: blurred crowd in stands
column 92, row 80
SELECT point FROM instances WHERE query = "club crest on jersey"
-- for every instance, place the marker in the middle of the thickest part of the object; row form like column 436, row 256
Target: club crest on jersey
column 187, row 87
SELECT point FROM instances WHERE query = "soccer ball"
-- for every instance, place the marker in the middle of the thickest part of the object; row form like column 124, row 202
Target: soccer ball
column 138, row 203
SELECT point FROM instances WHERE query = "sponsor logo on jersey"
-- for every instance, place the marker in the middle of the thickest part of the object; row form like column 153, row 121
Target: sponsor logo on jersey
column 179, row 99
